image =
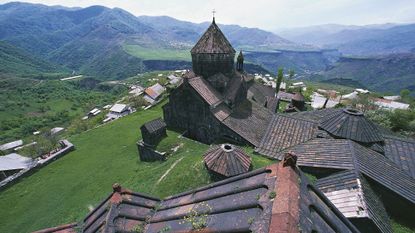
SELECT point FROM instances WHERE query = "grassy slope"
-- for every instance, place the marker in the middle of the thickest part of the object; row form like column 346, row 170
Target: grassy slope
column 157, row 54
column 62, row 192
column 30, row 103
column 16, row 61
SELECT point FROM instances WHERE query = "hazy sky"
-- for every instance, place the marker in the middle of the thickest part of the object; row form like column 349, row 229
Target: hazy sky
column 266, row 14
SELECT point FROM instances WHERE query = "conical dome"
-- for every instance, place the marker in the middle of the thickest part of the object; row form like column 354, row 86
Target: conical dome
column 227, row 160
column 298, row 97
column 213, row 41
column 351, row 124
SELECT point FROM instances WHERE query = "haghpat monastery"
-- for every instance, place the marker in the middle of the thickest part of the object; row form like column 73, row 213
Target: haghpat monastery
column 364, row 172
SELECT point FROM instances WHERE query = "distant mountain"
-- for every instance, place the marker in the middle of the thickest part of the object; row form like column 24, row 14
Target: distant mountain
column 316, row 34
column 18, row 62
column 390, row 73
column 240, row 37
column 357, row 40
column 112, row 43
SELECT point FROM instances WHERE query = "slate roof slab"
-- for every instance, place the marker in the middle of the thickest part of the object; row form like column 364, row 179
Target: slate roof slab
column 277, row 198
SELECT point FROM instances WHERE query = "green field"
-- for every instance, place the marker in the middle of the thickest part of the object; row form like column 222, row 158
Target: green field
column 63, row 191
column 157, row 53
column 28, row 105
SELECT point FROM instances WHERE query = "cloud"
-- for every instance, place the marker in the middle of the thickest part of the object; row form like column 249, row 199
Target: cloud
column 266, row 14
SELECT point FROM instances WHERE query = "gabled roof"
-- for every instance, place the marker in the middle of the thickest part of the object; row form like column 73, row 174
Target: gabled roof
column 353, row 196
column 348, row 155
column 277, row 198
column 123, row 209
column 205, row 90
column 249, row 120
column 272, row 104
column 11, row 145
column 351, row 124
column 259, row 93
column 315, row 115
column 298, row 97
column 234, row 87
column 227, row 160
column 155, row 91
column 118, row 108
column 154, row 125
column 402, row 152
column 221, row 112
column 14, row 162
column 213, row 41
column 284, row 132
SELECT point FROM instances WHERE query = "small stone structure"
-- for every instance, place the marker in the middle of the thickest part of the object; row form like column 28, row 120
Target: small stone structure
column 227, row 160
column 297, row 103
column 149, row 154
column 152, row 132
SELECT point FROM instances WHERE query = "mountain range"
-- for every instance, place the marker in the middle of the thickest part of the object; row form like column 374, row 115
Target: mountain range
column 388, row 74
column 114, row 44
column 370, row 40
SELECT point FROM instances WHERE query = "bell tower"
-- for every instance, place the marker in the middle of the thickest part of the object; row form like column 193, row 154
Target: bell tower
column 213, row 53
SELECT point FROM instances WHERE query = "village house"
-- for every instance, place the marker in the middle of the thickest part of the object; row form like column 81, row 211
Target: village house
column 136, row 90
column 13, row 163
column 154, row 93
column 56, row 130
column 319, row 101
column 93, row 112
column 174, row 80
column 390, row 104
column 11, row 145
column 117, row 111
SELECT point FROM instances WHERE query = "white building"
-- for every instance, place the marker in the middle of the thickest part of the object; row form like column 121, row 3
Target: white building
column 392, row 97
column 391, row 105
column 94, row 112
column 299, row 84
column 362, row 91
column 13, row 163
column 117, row 111
column 136, row 90
column 56, row 130
column 11, row 145
column 350, row 96
column 318, row 100
column 173, row 79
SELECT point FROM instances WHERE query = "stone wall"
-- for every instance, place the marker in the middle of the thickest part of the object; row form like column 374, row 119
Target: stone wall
column 148, row 154
column 187, row 111
column 209, row 64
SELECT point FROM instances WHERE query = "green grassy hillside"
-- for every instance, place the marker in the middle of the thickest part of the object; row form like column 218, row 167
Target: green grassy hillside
column 64, row 191
column 391, row 73
column 16, row 61
column 28, row 105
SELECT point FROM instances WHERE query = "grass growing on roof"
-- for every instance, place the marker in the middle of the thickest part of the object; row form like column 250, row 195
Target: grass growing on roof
column 63, row 191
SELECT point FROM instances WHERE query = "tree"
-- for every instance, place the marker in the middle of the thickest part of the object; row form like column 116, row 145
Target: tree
column 291, row 74
column 405, row 93
column 137, row 102
column 279, row 80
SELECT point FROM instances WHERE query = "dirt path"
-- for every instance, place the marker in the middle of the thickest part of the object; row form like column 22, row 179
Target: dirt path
column 168, row 170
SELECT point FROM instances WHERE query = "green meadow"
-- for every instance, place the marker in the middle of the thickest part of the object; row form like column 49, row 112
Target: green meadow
column 66, row 190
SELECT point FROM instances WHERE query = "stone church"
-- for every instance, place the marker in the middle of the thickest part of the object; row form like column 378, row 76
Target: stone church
column 214, row 95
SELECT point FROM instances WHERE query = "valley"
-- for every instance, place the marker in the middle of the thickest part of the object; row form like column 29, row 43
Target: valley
column 302, row 119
